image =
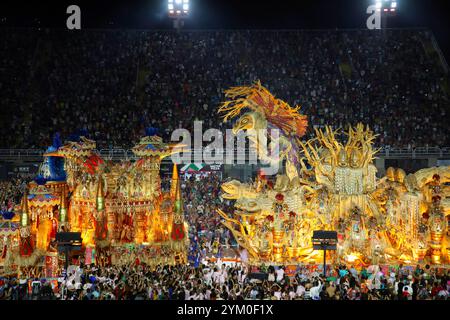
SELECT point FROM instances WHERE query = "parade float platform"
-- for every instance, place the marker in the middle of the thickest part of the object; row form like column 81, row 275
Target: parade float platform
column 116, row 206
column 329, row 182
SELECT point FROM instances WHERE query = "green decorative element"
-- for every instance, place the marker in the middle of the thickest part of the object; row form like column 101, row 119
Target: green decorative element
column 100, row 204
column 178, row 206
column 24, row 219
column 63, row 215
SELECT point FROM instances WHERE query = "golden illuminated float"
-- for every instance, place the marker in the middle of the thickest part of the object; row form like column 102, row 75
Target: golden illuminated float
column 118, row 207
column 399, row 218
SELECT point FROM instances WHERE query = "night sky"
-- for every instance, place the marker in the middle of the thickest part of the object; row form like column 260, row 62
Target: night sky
column 229, row 14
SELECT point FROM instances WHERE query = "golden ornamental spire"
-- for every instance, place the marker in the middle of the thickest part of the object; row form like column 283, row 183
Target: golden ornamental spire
column 178, row 232
column 62, row 204
column 175, row 178
column 25, row 210
column 100, row 195
column 178, row 201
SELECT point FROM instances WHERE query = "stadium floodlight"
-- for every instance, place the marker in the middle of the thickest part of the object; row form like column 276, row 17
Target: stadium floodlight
column 178, row 8
column 386, row 6
column 178, row 11
column 385, row 9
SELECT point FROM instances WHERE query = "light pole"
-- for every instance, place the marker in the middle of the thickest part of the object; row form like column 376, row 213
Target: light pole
column 324, row 240
column 68, row 241
column 178, row 10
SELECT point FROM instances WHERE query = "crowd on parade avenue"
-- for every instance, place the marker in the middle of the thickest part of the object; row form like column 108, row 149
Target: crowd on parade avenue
column 220, row 281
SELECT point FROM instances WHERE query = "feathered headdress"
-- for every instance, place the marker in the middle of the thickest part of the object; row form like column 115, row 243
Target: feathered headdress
column 258, row 98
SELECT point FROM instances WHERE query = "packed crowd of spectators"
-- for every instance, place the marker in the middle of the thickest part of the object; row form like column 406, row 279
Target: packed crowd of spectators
column 114, row 83
column 16, row 59
column 217, row 281
column 11, row 190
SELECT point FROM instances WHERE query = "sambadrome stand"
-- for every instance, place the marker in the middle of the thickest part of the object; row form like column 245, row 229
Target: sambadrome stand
column 119, row 208
column 399, row 218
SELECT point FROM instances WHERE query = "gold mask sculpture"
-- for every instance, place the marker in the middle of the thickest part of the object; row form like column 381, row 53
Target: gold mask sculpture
column 355, row 158
column 390, row 174
column 342, row 158
column 400, row 175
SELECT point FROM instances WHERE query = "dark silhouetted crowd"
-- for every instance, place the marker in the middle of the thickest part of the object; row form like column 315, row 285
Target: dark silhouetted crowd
column 114, row 83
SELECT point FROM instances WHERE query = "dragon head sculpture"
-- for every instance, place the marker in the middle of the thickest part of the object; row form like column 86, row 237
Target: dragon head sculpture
column 231, row 190
column 234, row 190
column 250, row 121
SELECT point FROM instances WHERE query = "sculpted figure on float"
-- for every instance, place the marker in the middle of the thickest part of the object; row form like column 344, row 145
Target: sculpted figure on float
column 342, row 158
column 279, row 228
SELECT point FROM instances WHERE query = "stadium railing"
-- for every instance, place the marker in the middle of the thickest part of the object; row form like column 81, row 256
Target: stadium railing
column 127, row 154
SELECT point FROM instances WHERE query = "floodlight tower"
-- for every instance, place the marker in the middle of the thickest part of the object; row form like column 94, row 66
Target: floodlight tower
column 178, row 11
column 386, row 8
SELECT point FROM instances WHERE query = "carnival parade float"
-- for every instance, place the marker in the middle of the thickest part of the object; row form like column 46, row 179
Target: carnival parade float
column 118, row 207
column 329, row 183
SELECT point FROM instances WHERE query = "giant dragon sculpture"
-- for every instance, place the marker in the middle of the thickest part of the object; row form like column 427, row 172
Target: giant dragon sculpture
column 329, row 185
